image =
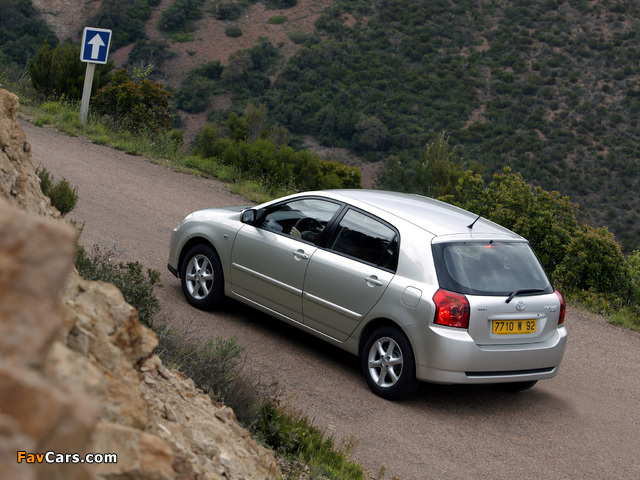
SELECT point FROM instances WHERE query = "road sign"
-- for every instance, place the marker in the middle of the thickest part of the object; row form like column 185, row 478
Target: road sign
column 95, row 45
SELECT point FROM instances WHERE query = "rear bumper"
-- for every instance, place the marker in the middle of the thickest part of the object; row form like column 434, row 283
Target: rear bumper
column 449, row 355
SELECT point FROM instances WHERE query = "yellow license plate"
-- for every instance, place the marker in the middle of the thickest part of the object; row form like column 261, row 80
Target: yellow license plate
column 514, row 327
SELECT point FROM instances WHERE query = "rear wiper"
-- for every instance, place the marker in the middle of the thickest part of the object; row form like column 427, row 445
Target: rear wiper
column 525, row 290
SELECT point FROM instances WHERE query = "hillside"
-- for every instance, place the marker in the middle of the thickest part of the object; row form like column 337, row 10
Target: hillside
column 549, row 88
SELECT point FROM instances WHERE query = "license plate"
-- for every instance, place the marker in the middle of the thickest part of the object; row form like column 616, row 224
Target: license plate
column 514, row 327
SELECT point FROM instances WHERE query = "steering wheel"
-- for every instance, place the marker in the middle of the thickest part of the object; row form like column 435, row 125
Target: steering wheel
column 308, row 224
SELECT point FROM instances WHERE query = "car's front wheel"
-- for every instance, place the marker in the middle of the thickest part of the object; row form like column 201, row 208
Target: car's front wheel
column 202, row 278
column 388, row 364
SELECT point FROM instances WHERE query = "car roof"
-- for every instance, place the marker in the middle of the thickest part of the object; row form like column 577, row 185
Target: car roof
column 438, row 218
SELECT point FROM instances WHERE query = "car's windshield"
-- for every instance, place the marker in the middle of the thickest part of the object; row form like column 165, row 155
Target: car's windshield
column 489, row 268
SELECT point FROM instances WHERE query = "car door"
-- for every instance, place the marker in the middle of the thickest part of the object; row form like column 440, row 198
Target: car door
column 269, row 261
column 347, row 278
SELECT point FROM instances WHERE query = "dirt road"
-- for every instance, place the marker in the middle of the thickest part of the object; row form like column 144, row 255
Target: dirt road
column 584, row 424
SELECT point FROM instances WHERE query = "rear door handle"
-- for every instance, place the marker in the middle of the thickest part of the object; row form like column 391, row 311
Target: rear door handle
column 300, row 255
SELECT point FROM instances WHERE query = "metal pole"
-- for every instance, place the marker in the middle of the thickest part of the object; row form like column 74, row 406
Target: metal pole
column 86, row 92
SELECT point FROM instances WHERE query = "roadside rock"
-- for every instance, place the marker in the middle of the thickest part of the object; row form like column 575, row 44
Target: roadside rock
column 77, row 369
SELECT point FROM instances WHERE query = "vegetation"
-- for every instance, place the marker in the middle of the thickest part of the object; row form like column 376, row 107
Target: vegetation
column 59, row 72
column 252, row 147
column 547, row 88
column 62, row 195
column 180, row 14
column 129, row 277
column 233, row 31
column 137, row 105
column 216, row 367
column 125, row 18
column 21, row 35
column 586, row 263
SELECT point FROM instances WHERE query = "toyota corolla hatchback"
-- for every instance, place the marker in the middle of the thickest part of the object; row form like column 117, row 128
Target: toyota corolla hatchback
column 418, row 289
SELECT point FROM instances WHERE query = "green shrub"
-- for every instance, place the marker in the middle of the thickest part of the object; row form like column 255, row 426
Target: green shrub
column 277, row 20
column 179, row 14
column 137, row 289
column 275, row 4
column 298, row 37
column 594, row 263
column 63, row 196
column 59, row 72
column 293, row 436
column 140, row 106
column 216, row 367
column 227, row 11
column 150, row 52
column 233, row 31
column 22, row 33
column 125, row 18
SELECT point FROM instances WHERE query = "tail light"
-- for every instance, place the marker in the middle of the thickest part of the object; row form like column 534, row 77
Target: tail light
column 563, row 308
column 452, row 309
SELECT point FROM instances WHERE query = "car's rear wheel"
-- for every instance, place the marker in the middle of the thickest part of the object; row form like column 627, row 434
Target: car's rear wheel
column 202, row 278
column 388, row 364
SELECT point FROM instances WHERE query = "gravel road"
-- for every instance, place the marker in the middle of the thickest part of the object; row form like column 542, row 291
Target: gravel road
column 584, row 424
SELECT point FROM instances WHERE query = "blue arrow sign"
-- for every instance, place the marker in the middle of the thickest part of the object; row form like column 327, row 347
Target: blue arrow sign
column 95, row 45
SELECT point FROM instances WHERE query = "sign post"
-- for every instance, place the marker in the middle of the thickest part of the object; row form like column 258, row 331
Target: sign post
column 94, row 49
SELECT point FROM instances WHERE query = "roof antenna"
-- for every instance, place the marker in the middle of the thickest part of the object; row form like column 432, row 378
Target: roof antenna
column 474, row 222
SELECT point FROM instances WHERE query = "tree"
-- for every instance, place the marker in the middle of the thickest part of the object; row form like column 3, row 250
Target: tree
column 60, row 72
column 240, row 63
column 256, row 120
column 438, row 174
column 371, row 133
column 546, row 219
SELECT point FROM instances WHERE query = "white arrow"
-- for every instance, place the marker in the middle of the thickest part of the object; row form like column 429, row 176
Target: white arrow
column 96, row 42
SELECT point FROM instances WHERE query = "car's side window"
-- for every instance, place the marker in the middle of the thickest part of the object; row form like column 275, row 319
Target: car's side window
column 304, row 219
column 364, row 238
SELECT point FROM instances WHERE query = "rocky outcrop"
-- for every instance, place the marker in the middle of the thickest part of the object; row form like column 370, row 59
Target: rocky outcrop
column 77, row 370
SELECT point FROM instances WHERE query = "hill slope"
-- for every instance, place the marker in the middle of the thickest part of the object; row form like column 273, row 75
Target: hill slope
column 550, row 88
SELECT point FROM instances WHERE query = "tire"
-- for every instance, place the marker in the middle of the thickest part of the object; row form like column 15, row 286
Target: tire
column 516, row 387
column 388, row 364
column 202, row 278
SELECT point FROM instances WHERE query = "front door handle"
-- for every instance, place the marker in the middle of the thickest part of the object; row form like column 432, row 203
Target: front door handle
column 300, row 255
column 373, row 281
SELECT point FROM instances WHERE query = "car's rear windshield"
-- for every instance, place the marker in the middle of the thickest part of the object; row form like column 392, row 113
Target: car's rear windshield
column 489, row 268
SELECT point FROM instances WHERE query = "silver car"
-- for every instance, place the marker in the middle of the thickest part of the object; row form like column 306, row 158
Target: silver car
column 418, row 289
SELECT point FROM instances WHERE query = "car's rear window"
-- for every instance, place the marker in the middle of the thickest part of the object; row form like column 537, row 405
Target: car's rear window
column 489, row 268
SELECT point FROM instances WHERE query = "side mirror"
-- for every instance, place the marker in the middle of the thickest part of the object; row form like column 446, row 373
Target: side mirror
column 248, row 216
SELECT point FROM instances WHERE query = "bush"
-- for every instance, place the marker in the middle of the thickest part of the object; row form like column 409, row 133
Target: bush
column 594, row 263
column 227, row 11
column 59, row 72
column 178, row 15
column 546, row 219
column 21, row 33
column 233, row 31
column 277, row 20
column 298, row 37
column 63, row 196
column 138, row 290
column 126, row 18
column 140, row 106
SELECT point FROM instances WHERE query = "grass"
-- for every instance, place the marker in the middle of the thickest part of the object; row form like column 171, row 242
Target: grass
column 610, row 308
column 165, row 149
